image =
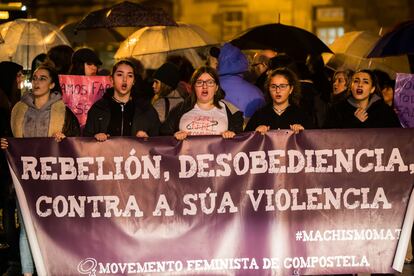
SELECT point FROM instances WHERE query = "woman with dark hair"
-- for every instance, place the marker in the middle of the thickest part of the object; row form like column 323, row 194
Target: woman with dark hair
column 11, row 77
column 364, row 108
column 40, row 113
column 85, row 62
column 204, row 112
column 60, row 57
column 119, row 112
column 282, row 109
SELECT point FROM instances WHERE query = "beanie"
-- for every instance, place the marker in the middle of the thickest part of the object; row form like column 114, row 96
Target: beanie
column 86, row 55
column 168, row 73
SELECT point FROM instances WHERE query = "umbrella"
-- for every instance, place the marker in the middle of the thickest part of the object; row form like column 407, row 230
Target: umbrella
column 151, row 45
column 90, row 37
column 126, row 14
column 398, row 41
column 296, row 42
column 24, row 39
column 352, row 48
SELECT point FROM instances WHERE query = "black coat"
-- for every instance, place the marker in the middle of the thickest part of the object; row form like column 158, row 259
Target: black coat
column 380, row 115
column 172, row 123
column 267, row 116
column 143, row 117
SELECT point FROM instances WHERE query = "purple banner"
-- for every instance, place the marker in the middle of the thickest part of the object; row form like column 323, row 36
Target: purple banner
column 404, row 99
column 320, row 202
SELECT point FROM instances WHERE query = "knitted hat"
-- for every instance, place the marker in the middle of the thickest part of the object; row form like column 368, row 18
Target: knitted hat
column 168, row 73
column 86, row 55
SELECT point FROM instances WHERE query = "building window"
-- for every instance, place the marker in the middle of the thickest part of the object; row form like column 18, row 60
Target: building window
column 329, row 34
column 328, row 22
column 232, row 24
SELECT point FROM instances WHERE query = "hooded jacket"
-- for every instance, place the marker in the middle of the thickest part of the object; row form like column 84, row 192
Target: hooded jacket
column 25, row 117
column 247, row 97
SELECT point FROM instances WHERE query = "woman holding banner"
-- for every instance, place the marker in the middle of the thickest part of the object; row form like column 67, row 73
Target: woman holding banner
column 120, row 112
column 204, row 112
column 364, row 108
column 282, row 110
column 40, row 113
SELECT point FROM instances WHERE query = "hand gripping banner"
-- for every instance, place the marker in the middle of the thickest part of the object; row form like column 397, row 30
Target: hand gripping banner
column 319, row 202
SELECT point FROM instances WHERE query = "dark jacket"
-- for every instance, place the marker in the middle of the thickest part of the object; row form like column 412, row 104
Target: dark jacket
column 266, row 116
column 380, row 115
column 172, row 123
column 143, row 117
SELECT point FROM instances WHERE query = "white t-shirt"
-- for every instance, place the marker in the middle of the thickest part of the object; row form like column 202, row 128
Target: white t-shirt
column 205, row 122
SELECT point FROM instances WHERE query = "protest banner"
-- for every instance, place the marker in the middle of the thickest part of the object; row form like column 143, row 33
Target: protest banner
column 404, row 99
column 319, row 202
column 81, row 92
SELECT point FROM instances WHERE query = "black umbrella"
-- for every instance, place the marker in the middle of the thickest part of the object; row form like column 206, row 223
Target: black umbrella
column 296, row 42
column 90, row 37
column 126, row 14
column 399, row 41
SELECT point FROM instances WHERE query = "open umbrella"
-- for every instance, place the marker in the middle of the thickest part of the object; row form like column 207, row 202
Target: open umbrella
column 398, row 41
column 296, row 42
column 126, row 14
column 24, row 39
column 151, row 45
column 351, row 50
column 90, row 37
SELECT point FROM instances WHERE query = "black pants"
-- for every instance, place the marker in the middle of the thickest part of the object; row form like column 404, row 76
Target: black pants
column 10, row 229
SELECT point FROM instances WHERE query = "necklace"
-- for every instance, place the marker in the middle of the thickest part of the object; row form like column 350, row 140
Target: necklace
column 279, row 111
column 118, row 101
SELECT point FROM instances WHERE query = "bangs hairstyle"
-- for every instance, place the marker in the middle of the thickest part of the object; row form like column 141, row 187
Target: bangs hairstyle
column 219, row 95
column 291, row 77
column 126, row 62
column 374, row 81
column 53, row 76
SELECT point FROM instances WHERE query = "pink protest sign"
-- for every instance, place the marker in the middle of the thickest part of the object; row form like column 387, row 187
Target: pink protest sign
column 81, row 92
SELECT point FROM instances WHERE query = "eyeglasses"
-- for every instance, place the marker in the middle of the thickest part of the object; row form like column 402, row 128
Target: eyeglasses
column 282, row 86
column 41, row 78
column 209, row 83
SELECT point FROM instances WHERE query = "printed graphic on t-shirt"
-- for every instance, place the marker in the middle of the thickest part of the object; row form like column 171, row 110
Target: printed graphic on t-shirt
column 202, row 122
column 202, row 125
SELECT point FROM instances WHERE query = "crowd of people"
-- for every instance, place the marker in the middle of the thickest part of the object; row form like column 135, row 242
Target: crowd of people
column 227, row 96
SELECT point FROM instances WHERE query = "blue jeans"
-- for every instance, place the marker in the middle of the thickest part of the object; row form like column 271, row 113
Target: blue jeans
column 26, row 258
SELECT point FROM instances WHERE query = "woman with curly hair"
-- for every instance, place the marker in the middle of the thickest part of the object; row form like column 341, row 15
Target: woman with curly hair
column 282, row 110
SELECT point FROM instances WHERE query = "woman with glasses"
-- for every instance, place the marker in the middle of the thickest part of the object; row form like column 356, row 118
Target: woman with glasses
column 204, row 112
column 281, row 110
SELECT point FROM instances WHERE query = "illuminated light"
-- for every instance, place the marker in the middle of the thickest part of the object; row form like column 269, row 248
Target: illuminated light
column 4, row 15
column 24, row 8
column 15, row 4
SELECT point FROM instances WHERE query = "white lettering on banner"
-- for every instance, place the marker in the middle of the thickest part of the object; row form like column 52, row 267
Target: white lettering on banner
column 347, row 235
column 319, row 199
column 204, row 165
column 91, row 168
column 75, row 206
column 91, row 266
column 326, row 261
column 211, row 202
